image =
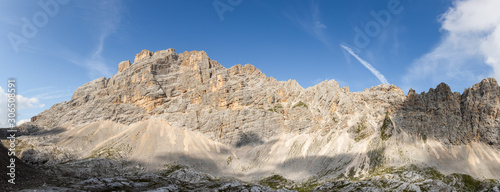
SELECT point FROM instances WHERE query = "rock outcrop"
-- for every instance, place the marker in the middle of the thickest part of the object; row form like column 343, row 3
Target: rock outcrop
column 453, row 118
column 123, row 65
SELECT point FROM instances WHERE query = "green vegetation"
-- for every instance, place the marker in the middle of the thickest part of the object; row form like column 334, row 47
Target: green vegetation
column 276, row 108
column 334, row 119
column 20, row 145
column 351, row 173
column 376, row 158
column 170, row 169
column 429, row 172
column 106, row 152
column 360, row 131
column 275, row 182
column 384, row 133
column 462, row 181
column 426, row 172
column 229, row 160
column 306, row 186
column 300, row 104
column 279, row 182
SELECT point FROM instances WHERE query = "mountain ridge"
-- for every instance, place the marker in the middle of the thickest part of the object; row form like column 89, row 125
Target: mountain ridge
column 155, row 88
column 186, row 108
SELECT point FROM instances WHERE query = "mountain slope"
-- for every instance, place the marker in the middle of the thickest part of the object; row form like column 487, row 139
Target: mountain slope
column 169, row 108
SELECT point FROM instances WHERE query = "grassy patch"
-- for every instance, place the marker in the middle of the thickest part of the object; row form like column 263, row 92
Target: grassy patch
column 275, row 181
column 306, row 186
column 360, row 131
column 300, row 104
column 229, row 160
column 376, row 158
column 424, row 137
column 107, row 152
column 462, row 181
column 276, row 108
column 170, row 169
column 378, row 171
column 351, row 173
column 384, row 132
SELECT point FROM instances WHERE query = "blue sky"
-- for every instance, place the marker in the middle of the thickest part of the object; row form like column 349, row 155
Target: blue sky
column 359, row 43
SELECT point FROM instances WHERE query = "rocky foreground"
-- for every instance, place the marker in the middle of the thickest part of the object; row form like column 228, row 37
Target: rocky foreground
column 183, row 122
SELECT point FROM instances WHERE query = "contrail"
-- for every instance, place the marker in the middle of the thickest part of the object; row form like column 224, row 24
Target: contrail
column 367, row 65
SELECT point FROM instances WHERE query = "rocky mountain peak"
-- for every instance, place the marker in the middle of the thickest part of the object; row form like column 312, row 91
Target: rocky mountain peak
column 123, row 65
column 488, row 87
column 144, row 54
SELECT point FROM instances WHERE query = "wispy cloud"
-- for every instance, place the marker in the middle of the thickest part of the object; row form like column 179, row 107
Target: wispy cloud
column 103, row 19
column 50, row 92
column 107, row 19
column 470, row 43
column 372, row 69
column 311, row 22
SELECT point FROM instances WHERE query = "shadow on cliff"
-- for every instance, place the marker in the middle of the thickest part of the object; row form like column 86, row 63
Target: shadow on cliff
column 54, row 131
column 248, row 138
column 4, row 133
column 318, row 166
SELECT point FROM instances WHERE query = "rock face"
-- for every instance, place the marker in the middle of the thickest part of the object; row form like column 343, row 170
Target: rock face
column 196, row 93
column 169, row 108
column 453, row 118
column 123, row 65
column 142, row 55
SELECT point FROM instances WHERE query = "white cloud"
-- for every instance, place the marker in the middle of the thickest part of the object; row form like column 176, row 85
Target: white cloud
column 51, row 92
column 107, row 18
column 372, row 69
column 22, row 103
column 470, row 42
column 310, row 22
column 23, row 121
column 103, row 19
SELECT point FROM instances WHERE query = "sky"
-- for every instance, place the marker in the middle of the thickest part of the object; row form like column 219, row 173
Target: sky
column 51, row 47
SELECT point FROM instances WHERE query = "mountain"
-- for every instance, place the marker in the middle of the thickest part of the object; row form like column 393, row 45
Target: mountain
column 169, row 109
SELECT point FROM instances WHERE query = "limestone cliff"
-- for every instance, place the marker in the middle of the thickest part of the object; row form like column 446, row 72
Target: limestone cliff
column 169, row 107
column 453, row 118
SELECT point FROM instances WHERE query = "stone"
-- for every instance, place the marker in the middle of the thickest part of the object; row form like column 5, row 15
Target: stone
column 123, row 65
column 144, row 54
